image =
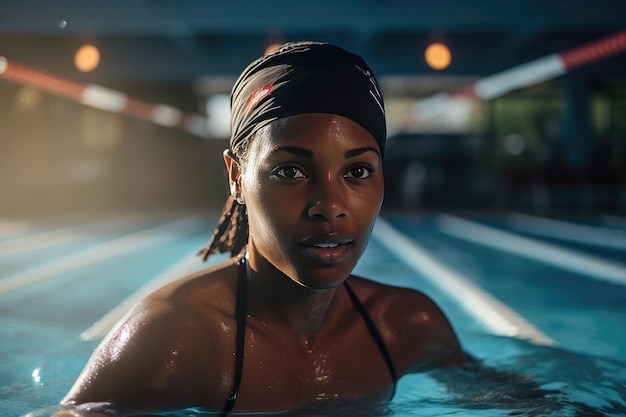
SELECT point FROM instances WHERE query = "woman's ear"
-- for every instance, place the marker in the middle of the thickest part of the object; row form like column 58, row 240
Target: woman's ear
column 234, row 172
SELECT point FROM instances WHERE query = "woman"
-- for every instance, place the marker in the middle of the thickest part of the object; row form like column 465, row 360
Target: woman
column 283, row 323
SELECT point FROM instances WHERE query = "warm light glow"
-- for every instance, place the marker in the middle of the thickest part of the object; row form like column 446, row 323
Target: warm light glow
column 271, row 48
column 87, row 58
column 438, row 56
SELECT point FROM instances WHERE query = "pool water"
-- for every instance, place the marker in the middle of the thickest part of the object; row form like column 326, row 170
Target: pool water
column 50, row 297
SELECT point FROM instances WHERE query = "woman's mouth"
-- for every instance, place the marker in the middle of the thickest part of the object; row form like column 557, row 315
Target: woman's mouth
column 326, row 252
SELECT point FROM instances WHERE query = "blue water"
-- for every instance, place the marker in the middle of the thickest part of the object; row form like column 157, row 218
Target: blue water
column 585, row 375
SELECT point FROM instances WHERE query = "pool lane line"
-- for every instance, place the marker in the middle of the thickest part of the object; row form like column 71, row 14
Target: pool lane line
column 567, row 259
column 119, row 246
column 562, row 230
column 496, row 317
column 37, row 241
column 101, row 327
column 50, row 238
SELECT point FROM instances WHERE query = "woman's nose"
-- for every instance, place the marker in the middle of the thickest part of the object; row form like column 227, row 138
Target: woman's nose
column 328, row 202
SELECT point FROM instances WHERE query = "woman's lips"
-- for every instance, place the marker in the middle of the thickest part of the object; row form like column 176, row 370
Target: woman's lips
column 326, row 249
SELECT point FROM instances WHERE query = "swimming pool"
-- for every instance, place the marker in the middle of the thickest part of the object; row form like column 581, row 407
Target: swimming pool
column 526, row 295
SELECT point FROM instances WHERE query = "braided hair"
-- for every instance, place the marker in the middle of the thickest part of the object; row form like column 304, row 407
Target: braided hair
column 231, row 233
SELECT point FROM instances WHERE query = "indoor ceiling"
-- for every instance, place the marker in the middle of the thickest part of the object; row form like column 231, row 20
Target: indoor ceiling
column 205, row 43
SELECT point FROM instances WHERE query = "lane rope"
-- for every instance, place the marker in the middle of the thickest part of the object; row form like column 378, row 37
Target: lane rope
column 103, row 98
column 531, row 73
column 487, row 88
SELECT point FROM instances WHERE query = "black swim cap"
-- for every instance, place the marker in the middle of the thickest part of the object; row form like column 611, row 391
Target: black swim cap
column 306, row 77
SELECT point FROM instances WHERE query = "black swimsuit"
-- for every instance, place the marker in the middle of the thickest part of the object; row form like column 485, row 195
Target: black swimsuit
column 240, row 317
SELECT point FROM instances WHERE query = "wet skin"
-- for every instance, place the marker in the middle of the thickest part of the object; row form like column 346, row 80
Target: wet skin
column 313, row 186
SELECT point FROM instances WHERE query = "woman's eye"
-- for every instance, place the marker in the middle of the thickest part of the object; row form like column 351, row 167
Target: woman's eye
column 288, row 172
column 359, row 173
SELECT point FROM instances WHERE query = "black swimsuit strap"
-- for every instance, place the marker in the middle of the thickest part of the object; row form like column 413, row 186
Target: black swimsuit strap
column 240, row 316
column 374, row 333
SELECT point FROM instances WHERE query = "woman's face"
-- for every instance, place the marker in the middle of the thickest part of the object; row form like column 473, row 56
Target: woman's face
column 313, row 186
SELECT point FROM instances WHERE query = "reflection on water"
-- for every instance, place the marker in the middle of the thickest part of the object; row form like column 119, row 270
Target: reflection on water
column 516, row 379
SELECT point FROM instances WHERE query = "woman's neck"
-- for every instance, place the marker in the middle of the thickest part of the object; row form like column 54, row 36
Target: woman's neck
column 276, row 298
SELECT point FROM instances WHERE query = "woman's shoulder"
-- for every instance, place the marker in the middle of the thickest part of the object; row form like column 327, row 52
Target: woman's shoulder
column 404, row 308
column 208, row 289
column 199, row 298
column 163, row 343
column 189, row 309
column 390, row 296
column 414, row 326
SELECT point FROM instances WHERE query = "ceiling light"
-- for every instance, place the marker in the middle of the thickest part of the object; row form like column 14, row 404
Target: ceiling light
column 87, row 58
column 438, row 56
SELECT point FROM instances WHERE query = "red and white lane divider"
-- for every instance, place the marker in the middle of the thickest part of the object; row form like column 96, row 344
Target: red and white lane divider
column 534, row 72
column 549, row 67
column 103, row 98
column 487, row 88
